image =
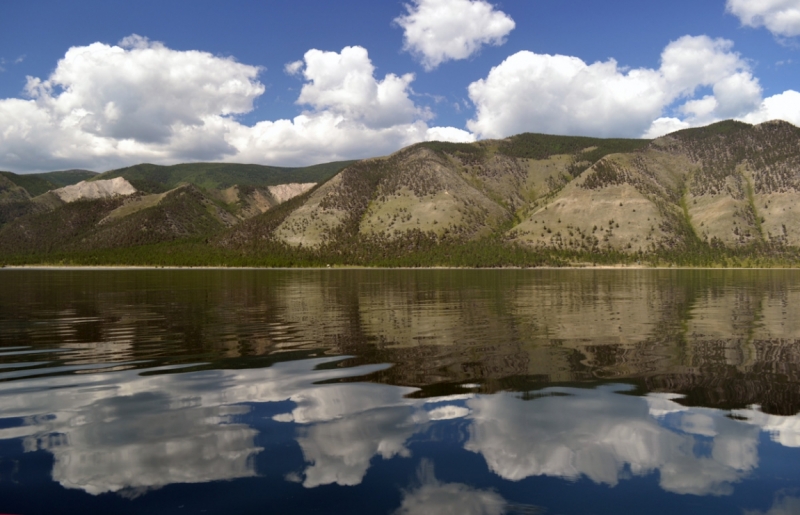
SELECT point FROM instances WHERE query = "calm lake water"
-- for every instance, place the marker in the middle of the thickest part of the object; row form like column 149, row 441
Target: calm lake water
column 464, row 392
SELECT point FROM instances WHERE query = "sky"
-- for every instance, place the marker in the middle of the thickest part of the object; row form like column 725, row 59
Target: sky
column 103, row 84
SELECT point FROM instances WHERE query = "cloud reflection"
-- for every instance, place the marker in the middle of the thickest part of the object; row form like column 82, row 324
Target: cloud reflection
column 434, row 497
column 784, row 430
column 783, row 505
column 601, row 435
column 143, row 442
column 345, row 426
column 127, row 433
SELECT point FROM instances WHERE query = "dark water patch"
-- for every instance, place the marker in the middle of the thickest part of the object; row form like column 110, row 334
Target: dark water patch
column 381, row 391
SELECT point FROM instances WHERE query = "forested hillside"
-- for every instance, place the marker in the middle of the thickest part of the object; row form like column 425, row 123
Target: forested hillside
column 722, row 195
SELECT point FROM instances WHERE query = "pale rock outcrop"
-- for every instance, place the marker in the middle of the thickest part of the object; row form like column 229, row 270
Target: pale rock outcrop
column 95, row 189
column 284, row 192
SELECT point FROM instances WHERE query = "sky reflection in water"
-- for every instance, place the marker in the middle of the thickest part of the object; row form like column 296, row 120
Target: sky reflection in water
column 128, row 433
column 310, row 432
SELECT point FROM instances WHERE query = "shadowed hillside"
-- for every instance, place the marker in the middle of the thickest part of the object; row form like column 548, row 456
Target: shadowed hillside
column 37, row 183
column 219, row 176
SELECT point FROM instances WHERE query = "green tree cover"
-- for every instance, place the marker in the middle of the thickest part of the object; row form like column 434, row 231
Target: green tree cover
column 37, row 183
column 157, row 179
column 190, row 230
column 540, row 146
column 83, row 225
column 16, row 209
column 251, row 244
column 413, row 251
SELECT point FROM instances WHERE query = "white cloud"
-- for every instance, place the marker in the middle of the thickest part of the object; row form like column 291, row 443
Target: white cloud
column 661, row 126
column 449, row 134
column 344, row 85
column 109, row 106
column 352, row 114
column 443, row 30
column 112, row 105
column 563, row 95
column 294, row 68
column 144, row 91
column 558, row 94
column 784, row 106
column 781, row 17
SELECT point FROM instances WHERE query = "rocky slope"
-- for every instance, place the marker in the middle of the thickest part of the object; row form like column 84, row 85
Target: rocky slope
column 37, row 183
column 721, row 192
column 729, row 185
column 107, row 213
column 85, row 190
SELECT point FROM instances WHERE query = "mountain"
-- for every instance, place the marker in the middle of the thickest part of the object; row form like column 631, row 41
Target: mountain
column 729, row 187
column 93, row 212
column 37, row 183
column 219, row 176
column 724, row 194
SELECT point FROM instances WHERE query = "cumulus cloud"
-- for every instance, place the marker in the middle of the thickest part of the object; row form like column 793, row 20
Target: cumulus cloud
column 143, row 91
column 784, row 106
column 4, row 61
column 781, row 17
column 106, row 106
column 344, row 84
column 564, row 95
column 134, row 101
column 449, row 134
column 351, row 113
column 664, row 125
column 437, row 31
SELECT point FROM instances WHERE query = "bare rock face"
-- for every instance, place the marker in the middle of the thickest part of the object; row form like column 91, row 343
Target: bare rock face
column 284, row 192
column 95, row 189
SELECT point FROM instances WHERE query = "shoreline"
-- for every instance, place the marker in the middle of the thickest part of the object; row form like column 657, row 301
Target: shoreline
column 333, row 268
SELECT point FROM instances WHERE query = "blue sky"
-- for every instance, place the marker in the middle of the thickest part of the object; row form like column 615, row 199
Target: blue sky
column 172, row 81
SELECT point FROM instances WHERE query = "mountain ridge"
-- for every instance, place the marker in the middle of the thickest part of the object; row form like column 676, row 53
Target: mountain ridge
column 720, row 194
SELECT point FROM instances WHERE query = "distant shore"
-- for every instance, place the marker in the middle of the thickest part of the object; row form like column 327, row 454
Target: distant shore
column 572, row 267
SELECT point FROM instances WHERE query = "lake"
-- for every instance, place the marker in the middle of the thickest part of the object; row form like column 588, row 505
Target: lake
column 399, row 391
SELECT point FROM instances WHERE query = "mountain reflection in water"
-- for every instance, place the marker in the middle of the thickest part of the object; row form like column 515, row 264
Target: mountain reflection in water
column 399, row 392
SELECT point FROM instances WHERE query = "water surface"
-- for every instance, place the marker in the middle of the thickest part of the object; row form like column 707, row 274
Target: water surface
column 323, row 391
